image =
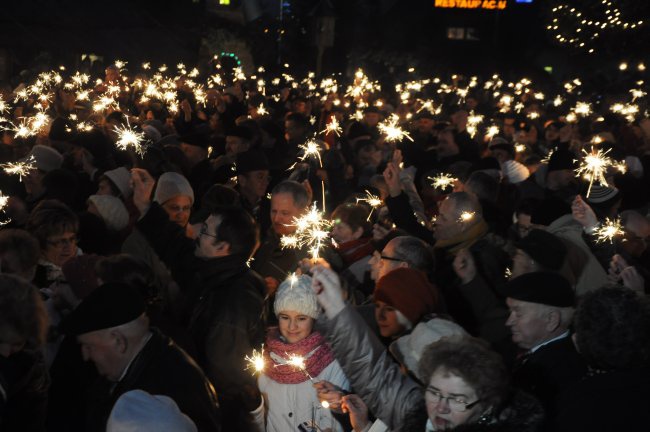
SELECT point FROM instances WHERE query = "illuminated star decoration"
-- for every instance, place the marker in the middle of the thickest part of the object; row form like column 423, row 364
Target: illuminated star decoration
column 255, row 361
column 608, row 230
column 129, row 137
column 312, row 231
column 333, row 126
column 393, row 132
column 594, row 167
column 373, row 201
column 442, row 181
column 20, row 168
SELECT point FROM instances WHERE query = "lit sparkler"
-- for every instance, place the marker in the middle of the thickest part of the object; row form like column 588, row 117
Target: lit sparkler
column 466, row 216
column 373, row 201
column 392, row 131
column 608, row 230
column 442, row 181
column 20, row 168
column 4, row 200
column 333, row 126
column 129, row 137
column 312, row 231
column 594, row 167
column 256, row 361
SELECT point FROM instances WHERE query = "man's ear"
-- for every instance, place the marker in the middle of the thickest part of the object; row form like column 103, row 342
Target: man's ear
column 120, row 341
column 358, row 233
column 223, row 247
column 553, row 320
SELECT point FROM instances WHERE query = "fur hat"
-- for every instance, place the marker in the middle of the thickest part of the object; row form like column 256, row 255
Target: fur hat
column 47, row 158
column 297, row 296
column 139, row 411
column 121, row 178
column 514, row 171
column 408, row 349
column 409, row 291
column 112, row 211
column 172, row 184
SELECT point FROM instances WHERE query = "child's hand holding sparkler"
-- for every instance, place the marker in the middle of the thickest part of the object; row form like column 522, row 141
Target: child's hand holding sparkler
column 358, row 411
column 329, row 395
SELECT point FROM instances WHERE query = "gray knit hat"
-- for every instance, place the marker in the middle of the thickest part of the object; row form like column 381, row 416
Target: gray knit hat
column 47, row 158
column 172, row 184
column 297, row 296
column 121, row 177
column 112, row 211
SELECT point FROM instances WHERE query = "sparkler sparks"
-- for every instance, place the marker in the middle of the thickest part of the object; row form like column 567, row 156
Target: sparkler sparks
column 608, row 230
column 4, row 200
column 594, row 167
column 310, row 149
column 129, row 137
column 442, row 181
column 256, row 361
column 20, row 168
column 333, row 126
column 312, row 231
column 393, row 132
column 466, row 216
column 372, row 200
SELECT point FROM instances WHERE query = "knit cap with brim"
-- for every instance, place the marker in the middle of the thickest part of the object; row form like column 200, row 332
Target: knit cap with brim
column 296, row 294
column 602, row 195
column 170, row 185
column 112, row 211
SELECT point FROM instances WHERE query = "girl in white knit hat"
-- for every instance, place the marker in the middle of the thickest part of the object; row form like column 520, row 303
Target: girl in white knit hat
column 290, row 400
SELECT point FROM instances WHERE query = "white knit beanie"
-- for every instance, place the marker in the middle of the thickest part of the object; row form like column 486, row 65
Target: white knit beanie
column 172, row 184
column 47, row 158
column 139, row 411
column 121, row 177
column 112, row 211
column 297, row 296
column 514, row 171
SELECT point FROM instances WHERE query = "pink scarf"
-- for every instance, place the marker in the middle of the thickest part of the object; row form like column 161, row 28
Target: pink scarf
column 316, row 344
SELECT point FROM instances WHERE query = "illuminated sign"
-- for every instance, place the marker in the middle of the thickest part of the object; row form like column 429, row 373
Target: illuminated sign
column 472, row 4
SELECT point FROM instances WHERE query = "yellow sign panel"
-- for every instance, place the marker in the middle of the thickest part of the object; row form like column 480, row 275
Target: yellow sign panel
column 472, row 4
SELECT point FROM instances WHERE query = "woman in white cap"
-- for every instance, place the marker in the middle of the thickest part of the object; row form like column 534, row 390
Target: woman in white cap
column 290, row 399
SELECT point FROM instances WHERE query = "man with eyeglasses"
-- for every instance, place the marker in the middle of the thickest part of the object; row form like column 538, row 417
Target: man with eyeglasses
column 222, row 298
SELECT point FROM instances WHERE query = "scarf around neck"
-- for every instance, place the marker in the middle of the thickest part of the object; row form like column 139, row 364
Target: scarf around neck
column 353, row 250
column 464, row 239
column 313, row 349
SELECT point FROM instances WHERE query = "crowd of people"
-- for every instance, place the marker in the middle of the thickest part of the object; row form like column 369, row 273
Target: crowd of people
column 479, row 260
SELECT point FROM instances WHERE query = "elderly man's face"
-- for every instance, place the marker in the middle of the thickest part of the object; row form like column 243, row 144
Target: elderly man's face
column 447, row 224
column 283, row 211
column 527, row 322
column 104, row 350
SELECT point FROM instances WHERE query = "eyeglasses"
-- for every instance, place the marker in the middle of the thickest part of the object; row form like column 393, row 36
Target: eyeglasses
column 387, row 258
column 456, row 403
column 72, row 241
column 204, row 231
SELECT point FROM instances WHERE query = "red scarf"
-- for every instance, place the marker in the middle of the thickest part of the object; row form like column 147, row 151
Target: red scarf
column 313, row 349
column 353, row 250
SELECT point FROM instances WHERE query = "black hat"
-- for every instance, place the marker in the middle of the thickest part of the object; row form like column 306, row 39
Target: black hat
column 110, row 305
column 546, row 288
column 499, row 143
column 196, row 138
column 544, row 247
column 561, row 160
column 251, row 160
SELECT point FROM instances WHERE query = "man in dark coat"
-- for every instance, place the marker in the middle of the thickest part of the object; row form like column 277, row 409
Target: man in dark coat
column 114, row 333
column 541, row 309
column 223, row 298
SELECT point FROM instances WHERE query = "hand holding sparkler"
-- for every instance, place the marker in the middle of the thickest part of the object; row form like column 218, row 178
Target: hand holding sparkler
column 329, row 395
column 583, row 213
column 327, row 286
column 358, row 410
column 391, row 175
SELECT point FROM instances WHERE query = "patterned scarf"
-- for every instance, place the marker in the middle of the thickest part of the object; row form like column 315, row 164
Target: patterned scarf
column 313, row 349
column 353, row 250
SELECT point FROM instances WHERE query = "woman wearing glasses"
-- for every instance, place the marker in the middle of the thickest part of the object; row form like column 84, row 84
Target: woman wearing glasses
column 463, row 382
